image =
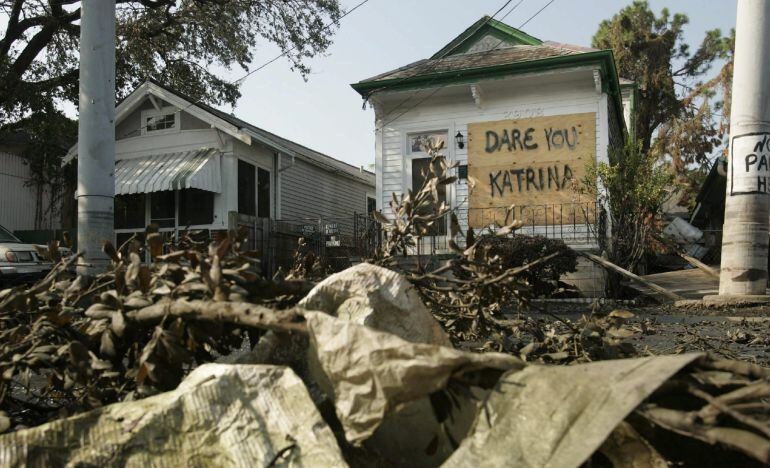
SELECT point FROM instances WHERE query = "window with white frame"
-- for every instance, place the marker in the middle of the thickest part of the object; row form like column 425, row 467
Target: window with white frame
column 416, row 141
column 164, row 121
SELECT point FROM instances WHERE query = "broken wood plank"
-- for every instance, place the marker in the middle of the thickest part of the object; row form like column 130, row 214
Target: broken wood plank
column 622, row 271
column 691, row 260
column 699, row 265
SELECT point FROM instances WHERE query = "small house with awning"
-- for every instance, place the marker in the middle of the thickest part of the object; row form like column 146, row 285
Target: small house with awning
column 183, row 164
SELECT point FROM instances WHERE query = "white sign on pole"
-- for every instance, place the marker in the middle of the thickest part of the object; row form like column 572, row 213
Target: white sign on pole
column 750, row 164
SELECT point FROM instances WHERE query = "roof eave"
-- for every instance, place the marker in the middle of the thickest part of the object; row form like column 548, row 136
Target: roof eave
column 365, row 88
column 276, row 146
column 603, row 58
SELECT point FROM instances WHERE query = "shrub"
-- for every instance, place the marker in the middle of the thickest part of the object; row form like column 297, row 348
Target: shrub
column 520, row 250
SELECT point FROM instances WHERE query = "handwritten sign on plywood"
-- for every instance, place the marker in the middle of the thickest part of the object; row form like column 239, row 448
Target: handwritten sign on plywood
column 534, row 162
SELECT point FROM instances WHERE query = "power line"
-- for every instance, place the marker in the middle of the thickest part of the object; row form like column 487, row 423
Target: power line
column 240, row 80
column 538, row 12
column 359, row 5
column 480, row 57
column 435, row 64
column 511, row 10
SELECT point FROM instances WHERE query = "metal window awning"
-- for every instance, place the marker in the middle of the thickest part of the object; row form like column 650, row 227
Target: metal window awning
column 198, row 169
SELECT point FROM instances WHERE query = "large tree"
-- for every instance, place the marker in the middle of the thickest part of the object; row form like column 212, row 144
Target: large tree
column 678, row 106
column 175, row 41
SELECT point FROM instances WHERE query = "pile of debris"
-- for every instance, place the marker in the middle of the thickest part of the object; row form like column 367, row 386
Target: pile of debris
column 372, row 379
column 196, row 359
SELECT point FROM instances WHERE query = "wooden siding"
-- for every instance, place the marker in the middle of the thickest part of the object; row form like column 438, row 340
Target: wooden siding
column 130, row 126
column 307, row 191
column 518, row 98
column 18, row 201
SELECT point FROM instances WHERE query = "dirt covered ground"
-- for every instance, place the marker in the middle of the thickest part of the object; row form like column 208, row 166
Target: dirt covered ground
column 734, row 333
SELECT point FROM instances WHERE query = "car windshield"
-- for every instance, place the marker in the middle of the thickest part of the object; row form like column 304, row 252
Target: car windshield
column 6, row 236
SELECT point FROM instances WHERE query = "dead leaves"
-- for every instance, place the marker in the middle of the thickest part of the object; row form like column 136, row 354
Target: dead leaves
column 83, row 343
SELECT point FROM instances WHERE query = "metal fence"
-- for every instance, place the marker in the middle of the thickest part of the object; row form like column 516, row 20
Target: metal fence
column 338, row 241
column 574, row 223
column 342, row 241
column 367, row 235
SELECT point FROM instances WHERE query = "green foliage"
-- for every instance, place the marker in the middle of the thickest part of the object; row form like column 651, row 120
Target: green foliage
column 650, row 50
column 176, row 42
column 633, row 187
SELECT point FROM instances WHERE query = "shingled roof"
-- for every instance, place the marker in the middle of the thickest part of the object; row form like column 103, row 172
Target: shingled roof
column 467, row 61
column 488, row 47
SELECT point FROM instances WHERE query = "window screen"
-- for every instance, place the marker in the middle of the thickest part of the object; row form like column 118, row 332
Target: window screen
column 129, row 211
column 162, row 208
column 263, row 195
column 371, row 204
column 123, row 237
column 195, row 207
column 247, row 189
column 421, row 167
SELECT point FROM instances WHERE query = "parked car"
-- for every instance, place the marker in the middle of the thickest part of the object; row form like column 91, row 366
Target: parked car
column 19, row 262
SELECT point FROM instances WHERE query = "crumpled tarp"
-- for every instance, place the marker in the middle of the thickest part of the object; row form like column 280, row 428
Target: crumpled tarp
column 557, row 416
column 220, row 415
column 378, row 298
column 372, row 373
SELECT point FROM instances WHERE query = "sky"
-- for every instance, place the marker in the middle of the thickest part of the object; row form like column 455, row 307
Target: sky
column 325, row 113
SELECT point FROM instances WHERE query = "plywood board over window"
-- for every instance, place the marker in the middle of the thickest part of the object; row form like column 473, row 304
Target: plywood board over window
column 536, row 164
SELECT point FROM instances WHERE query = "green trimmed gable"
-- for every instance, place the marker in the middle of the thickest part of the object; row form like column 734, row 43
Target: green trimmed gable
column 484, row 29
column 472, row 68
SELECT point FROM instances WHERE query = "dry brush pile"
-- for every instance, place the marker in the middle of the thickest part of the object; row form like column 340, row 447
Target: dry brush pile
column 68, row 345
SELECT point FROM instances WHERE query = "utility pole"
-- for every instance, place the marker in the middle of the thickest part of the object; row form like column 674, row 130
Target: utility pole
column 747, row 204
column 96, row 134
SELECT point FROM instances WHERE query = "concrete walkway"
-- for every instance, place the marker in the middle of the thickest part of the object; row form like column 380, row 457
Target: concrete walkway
column 690, row 284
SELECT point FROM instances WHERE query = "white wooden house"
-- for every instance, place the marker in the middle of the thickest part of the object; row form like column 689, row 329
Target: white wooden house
column 521, row 116
column 180, row 164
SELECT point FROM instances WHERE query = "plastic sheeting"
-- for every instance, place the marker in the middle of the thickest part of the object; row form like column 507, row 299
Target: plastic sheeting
column 372, row 373
column 220, row 415
column 378, row 298
column 557, row 416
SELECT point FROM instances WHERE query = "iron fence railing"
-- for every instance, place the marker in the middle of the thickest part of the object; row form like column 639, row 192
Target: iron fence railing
column 367, row 235
column 336, row 240
column 344, row 240
column 574, row 223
